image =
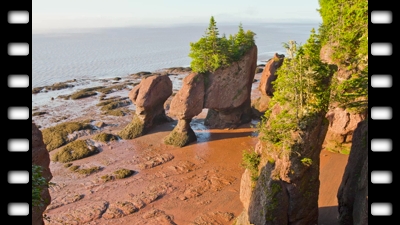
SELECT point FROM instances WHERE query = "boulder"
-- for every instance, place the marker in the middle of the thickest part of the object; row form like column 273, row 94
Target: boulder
column 188, row 101
column 341, row 128
column 149, row 97
column 40, row 157
column 353, row 190
column 229, row 88
column 228, row 92
column 260, row 105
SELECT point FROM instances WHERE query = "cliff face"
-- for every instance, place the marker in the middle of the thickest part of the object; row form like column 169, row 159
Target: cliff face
column 342, row 122
column 40, row 157
column 286, row 191
column 353, row 191
column 227, row 92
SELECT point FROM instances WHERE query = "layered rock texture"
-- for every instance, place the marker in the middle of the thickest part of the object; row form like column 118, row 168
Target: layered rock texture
column 260, row 105
column 40, row 157
column 286, row 191
column 149, row 97
column 353, row 191
column 225, row 92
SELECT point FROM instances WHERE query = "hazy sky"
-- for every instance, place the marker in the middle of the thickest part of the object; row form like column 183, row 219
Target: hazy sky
column 65, row 14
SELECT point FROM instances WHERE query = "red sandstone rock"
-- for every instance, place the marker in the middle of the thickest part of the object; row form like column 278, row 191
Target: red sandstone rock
column 268, row 75
column 229, row 88
column 353, row 191
column 40, row 157
column 189, row 100
column 153, row 92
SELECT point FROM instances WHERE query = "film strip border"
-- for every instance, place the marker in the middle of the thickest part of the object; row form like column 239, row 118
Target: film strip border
column 17, row 40
column 382, row 37
column 18, row 64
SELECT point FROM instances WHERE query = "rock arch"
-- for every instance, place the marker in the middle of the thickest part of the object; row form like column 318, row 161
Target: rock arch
column 225, row 92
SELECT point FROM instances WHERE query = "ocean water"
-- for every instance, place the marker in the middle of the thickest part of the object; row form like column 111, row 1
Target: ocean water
column 118, row 52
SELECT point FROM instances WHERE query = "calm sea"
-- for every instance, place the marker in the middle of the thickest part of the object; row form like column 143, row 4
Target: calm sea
column 117, row 52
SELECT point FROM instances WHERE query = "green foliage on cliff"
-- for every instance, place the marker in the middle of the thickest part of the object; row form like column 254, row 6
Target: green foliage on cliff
column 250, row 161
column 345, row 29
column 38, row 183
column 301, row 90
column 212, row 51
column 303, row 87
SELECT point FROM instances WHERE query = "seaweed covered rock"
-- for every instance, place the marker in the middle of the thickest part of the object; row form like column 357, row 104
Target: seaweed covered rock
column 181, row 135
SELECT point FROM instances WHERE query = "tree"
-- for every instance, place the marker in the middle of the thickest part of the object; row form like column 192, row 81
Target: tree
column 212, row 51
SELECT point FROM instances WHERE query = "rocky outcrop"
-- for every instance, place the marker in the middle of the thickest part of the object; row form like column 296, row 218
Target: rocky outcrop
column 341, row 128
column 353, row 191
column 268, row 75
column 225, row 92
column 342, row 122
column 260, row 105
column 286, row 191
column 149, row 97
column 40, row 157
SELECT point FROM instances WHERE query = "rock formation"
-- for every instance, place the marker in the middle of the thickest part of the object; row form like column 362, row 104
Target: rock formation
column 268, row 75
column 225, row 92
column 341, row 128
column 260, row 105
column 149, row 97
column 286, row 191
column 40, row 157
column 353, row 191
column 342, row 122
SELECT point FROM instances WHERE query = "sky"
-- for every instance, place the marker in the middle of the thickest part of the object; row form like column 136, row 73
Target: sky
column 77, row 14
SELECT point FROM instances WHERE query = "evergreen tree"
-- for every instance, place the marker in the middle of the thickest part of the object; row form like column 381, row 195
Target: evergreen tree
column 212, row 52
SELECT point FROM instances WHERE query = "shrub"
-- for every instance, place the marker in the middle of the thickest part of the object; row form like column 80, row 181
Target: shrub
column 38, row 183
column 250, row 161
